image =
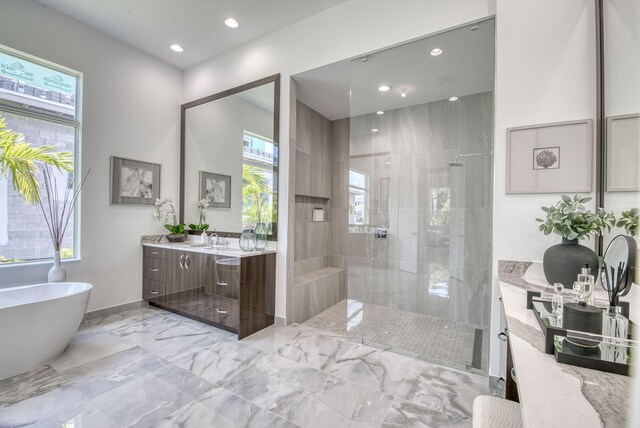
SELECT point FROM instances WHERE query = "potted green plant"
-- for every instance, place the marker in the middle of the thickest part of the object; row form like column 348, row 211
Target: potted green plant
column 202, row 226
column 165, row 209
column 629, row 221
column 570, row 219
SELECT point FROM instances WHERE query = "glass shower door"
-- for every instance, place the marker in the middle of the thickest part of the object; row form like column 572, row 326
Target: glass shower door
column 420, row 180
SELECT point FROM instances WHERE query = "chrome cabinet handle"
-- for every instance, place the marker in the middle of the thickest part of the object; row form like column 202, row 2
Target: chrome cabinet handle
column 155, row 270
column 502, row 336
column 155, row 252
column 221, row 283
column 221, row 311
column 154, row 292
column 181, row 261
column 513, row 374
column 187, row 262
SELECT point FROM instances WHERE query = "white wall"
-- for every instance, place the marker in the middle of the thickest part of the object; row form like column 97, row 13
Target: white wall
column 545, row 72
column 131, row 108
column 345, row 31
column 213, row 143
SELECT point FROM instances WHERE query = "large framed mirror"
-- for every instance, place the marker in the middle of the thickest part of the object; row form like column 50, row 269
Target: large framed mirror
column 620, row 68
column 229, row 157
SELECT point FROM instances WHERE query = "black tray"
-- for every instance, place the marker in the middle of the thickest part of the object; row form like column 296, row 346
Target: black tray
column 581, row 349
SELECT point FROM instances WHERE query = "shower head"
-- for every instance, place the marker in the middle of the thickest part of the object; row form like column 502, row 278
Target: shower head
column 457, row 164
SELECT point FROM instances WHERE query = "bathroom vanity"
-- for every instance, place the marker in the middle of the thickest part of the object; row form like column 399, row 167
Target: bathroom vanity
column 226, row 288
column 552, row 394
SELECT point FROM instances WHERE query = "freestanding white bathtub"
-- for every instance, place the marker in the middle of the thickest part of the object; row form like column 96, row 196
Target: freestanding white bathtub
column 37, row 323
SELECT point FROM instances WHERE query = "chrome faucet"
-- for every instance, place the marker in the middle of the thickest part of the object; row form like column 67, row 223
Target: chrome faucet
column 215, row 240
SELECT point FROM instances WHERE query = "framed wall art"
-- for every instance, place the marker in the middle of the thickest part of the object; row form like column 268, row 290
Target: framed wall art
column 550, row 158
column 134, row 182
column 623, row 153
column 216, row 189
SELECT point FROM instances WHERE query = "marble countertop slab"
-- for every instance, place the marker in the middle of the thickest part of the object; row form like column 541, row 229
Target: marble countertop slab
column 229, row 251
column 554, row 394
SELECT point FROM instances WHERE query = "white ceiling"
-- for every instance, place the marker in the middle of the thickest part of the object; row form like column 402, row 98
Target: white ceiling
column 196, row 25
column 465, row 67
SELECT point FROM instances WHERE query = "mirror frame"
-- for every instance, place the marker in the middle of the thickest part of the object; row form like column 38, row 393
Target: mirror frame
column 631, row 262
column 275, row 78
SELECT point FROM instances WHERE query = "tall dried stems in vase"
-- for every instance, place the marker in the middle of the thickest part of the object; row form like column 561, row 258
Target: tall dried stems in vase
column 58, row 211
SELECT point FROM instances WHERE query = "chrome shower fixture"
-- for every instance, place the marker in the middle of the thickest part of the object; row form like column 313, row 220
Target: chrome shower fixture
column 457, row 164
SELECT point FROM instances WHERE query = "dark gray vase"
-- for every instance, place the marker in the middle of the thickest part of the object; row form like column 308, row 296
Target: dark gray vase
column 562, row 262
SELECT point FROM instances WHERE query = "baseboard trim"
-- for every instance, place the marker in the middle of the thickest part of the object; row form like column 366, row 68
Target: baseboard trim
column 280, row 322
column 114, row 309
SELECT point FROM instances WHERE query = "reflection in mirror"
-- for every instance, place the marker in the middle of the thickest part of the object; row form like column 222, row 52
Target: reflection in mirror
column 230, row 158
column 621, row 42
column 620, row 255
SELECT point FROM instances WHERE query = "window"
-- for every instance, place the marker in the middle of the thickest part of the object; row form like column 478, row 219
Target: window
column 259, row 155
column 358, row 198
column 440, row 206
column 41, row 101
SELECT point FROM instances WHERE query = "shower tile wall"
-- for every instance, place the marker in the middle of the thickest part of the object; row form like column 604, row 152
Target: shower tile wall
column 316, row 286
column 434, row 261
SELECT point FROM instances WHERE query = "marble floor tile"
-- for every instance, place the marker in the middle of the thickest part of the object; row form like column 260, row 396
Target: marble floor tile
column 105, row 374
column 148, row 367
column 142, row 402
column 80, row 415
column 272, row 382
column 40, row 407
column 445, row 390
column 373, row 368
column 117, row 320
column 219, row 362
column 221, row 408
column 86, row 348
column 38, row 381
column 315, row 349
column 406, row 414
column 339, row 403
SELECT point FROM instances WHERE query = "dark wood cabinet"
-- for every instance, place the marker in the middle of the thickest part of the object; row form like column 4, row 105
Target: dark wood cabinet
column 233, row 293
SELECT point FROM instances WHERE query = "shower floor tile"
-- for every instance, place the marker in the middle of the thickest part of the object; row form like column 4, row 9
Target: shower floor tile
column 452, row 343
column 295, row 376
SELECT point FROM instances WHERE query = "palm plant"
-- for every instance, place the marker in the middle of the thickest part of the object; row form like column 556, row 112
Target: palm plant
column 255, row 196
column 20, row 160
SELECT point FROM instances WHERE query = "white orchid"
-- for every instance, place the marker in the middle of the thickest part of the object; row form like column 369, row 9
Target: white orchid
column 164, row 209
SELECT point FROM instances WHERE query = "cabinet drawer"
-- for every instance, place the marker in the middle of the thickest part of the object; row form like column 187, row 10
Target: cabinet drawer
column 151, row 289
column 225, row 312
column 228, row 264
column 154, row 269
column 226, row 283
column 155, row 252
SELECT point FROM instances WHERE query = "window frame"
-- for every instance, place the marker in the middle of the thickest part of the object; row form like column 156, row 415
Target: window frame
column 76, row 123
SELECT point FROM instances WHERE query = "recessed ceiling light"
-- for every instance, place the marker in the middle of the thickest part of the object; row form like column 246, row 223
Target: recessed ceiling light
column 374, row 130
column 379, row 112
column 231, row 23
column 384, row 88
column 436, row 51
column 453, row 99
column 176, row 48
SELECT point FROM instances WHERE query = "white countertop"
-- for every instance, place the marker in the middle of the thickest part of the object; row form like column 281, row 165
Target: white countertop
column 554, row 394
column 194, row 247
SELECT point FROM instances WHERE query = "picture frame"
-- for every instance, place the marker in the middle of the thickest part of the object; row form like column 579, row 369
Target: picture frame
column 550, row 158
column 134, row 182
column 216, row 189
column 622, row 153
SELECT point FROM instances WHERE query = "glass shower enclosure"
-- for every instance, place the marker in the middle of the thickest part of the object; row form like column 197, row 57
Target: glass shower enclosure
column 419, row 198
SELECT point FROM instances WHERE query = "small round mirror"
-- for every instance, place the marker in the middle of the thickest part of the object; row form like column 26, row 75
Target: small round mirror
column 622, row 249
